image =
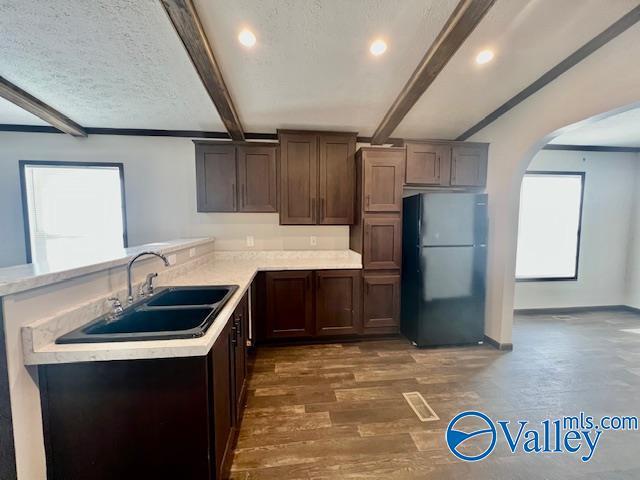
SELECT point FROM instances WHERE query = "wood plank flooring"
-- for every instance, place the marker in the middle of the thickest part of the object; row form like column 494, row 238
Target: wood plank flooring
column 337, row 411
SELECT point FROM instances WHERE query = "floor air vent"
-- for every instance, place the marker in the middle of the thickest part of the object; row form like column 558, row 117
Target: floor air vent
column 420, row 406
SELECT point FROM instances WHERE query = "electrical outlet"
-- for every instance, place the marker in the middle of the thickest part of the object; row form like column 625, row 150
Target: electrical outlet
column 192, row 252
column 250, row 241
column 172, row 259
column 313, row 240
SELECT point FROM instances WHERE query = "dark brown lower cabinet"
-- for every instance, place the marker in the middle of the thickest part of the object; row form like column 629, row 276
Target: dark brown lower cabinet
column 289, row 303
column 222, row 363
column 338, row 302
column 306, row 304
column 159, row 418
column 381, row 303
column 239, row 344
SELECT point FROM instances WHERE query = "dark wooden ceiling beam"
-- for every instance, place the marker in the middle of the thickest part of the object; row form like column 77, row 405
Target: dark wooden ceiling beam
column 31, row 104
column 463, row 20
column 615, row 29
column 185, row 20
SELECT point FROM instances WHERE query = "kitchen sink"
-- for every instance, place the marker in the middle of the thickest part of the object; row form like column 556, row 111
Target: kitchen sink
column 173, row 313
column 188, row 296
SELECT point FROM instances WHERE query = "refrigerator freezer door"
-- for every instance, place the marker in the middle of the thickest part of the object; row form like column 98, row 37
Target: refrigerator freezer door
column 452, row 219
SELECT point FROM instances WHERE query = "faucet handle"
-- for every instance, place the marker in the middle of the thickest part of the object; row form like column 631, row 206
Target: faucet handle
column 116, row 305
column 147, row 287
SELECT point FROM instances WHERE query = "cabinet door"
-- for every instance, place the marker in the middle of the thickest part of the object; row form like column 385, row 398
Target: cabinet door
column 469, row 165
column 382, row 243
column 298, row 179
column 257, row 179
column 383, row 180
column 338, row 302
column 239, row 331
column 428, row 164
column 216, row 178
column 289, row 304
column 221, row 358
column 337, row 179
column 381, row 301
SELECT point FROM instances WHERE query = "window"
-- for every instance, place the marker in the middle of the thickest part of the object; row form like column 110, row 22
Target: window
column 549, row 226
column 72, row 209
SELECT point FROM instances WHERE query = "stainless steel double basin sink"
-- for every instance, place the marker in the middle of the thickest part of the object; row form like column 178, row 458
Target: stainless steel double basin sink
column 172, row 313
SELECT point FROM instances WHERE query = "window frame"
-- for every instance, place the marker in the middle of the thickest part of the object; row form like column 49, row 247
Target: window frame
column 22, row 164
column 559, row 173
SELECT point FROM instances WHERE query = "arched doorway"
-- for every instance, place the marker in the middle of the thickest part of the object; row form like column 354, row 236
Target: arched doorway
column 582, row 95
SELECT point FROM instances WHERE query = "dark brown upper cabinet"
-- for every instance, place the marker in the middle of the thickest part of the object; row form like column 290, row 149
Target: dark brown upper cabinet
column 289, row 302
column 317, row 178
column 469, row 165
column 216, row 178
column 236, row 177
column 383, row 177
column 428, row 164
column 298, row 178
column 257, row 178
column 443, row 163
column 337, row 179
column 338, row 302
column 382, row 243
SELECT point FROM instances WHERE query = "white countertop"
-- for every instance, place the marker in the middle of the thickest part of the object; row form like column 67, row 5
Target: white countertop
column 223, row 268
column 32, row 275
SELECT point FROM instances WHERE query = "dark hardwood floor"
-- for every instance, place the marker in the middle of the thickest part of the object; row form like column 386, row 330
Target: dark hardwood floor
column 337, row 411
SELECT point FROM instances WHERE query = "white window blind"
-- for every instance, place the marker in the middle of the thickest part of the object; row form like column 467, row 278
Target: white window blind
column 549, row 226
column 74, row 212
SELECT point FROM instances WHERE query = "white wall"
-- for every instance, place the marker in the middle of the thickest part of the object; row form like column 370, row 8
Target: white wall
column 633, row 258
column 160, row 192
column 606, row 81
column 606, row 228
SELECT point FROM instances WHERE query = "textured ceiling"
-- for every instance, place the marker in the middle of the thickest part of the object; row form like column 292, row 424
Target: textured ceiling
column 311, row 67
column 528, row 37
column 620, row 130
column 120, row 64
column 103, row 63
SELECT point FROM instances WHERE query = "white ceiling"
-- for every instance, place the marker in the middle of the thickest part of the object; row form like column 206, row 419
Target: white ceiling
column 103, row 63
column 120, row 64
column 528, row 37
column 311, row 67
column 619, row 130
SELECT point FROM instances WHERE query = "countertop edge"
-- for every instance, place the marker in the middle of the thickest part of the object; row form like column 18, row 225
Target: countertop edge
column 42, row 280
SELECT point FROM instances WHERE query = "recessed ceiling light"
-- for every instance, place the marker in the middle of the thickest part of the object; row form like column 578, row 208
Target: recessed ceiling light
column 378, row 47
column 247, row 38
column 485, row 56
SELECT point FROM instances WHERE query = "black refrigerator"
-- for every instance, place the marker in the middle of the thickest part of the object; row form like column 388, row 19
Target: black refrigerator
column 444, row 250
